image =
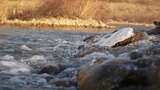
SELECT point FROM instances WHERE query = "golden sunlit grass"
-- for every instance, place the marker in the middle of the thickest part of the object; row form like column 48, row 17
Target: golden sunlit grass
column 134, row 12
column 94, row 13
column 55, row 22
column 10, row 8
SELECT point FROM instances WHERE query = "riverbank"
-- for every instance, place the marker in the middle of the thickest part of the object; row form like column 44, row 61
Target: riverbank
column 57, row 22
column 102, row 10
column 80, row 25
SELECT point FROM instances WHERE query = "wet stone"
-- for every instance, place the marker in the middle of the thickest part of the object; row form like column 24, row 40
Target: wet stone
column 66, row 88
column 156, row 30
column 64, row 82
column 17, row 81
column 138, row 36
column 142, row 74
column 52, row 69
column 135, row 55
column 69, row 72
column 48, row 77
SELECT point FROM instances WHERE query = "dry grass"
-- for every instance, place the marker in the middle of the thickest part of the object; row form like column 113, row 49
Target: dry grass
column 134, row 12
column 56, row 22
column 137, row 11
column 11, row 8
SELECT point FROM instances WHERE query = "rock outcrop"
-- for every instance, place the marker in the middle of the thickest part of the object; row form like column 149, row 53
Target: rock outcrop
column 137, row 37
column 141, row 74
column 157, row 24
column 119, row 36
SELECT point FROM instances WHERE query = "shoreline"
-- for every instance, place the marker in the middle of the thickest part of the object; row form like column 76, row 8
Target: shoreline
column 76, row 25
column 57, row 22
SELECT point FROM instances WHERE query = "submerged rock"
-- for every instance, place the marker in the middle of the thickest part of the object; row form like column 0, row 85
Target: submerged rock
column 83, row 51
column 68, row 72
column 65, row 82
column 142, row 74
column 135, row 55
column 52, row 69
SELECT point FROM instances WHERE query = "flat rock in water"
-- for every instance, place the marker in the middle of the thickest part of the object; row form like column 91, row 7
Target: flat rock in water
column 119, row 36
column 137, row 37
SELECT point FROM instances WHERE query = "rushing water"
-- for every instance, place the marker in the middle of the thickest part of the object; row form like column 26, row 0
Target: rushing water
column 37, row 59
column 23, row 52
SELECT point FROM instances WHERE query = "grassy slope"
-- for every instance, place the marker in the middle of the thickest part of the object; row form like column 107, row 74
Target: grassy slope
column 102, row 10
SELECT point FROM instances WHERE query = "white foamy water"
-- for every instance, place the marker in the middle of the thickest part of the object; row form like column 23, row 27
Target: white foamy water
column 7, row 57
column 13, row 67
column 24, row 47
